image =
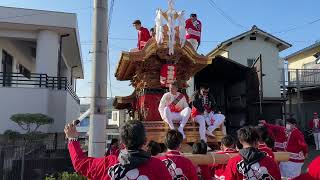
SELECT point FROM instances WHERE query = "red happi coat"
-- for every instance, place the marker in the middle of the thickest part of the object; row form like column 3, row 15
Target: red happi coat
column 168, row 74
column 314, row 126
column 278, row 133
column 313, row 171
column 217, row 170
column 266, row 167
column 179, row 166
column 203, row 172
column 293, row 142
column 267, row 150
column 99, row 168
column 193, row 30
column 143, row 37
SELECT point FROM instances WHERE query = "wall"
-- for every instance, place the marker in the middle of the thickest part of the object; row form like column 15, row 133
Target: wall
column 59, row 105
column 20, row 52
column 63, row 108
column 241, row 50
column 21, row 100
column 72, row 109
column 298, row 63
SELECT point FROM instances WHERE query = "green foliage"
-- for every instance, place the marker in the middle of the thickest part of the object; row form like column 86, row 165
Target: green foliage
column 66, row 176
column 12, row 135
column 31, row 122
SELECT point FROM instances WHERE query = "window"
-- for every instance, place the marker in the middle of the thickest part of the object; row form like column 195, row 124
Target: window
column 250, row 62
column 115, row 116
column 253, row 38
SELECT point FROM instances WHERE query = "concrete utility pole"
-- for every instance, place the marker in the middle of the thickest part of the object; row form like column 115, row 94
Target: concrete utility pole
column 98, row 117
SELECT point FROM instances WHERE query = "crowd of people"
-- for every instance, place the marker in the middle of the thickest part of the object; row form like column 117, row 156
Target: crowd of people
column 133, row 158
column 141, row 160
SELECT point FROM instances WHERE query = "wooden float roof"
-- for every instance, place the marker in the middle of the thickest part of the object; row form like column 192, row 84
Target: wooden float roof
column 123, row 102
column 129, row 61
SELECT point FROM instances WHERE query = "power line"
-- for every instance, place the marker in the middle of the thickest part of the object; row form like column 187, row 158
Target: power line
column 297, row 27
column 225, row 15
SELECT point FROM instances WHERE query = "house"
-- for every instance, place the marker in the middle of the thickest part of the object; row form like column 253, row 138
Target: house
column 248, row 46
column 303, row 83
column 306, row 58
column 230, row 74
column 41, row 60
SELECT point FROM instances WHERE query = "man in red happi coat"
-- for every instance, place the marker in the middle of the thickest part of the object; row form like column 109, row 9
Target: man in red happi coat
column 132, row 163
column 193, row 28
column 251, row 164
column 227, row 146
column 179, row 166
column 143, row 34
column 294, row 143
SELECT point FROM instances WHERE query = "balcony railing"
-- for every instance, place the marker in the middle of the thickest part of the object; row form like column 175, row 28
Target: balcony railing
column 36, row 81
column 302, row 77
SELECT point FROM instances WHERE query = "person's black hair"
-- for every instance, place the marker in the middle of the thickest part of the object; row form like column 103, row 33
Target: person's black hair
column 193, row 15
column 163, row 148
column 227, row 141
column 204, row 86
column 292, row 121
column 153, row 148
column 137, row 22
column 173, row 139
column 248, row 134
column 239, row 145
column 262, row 132
column 114, row 141
column 151, row 29
column 264, row 136
column 269, row 142
column 132, row 134
column 200, row 147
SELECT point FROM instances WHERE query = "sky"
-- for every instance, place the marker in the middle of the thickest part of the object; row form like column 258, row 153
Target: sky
column 296, row 22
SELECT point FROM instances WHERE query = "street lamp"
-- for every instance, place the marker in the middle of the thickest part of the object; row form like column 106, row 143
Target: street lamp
column 60, row 60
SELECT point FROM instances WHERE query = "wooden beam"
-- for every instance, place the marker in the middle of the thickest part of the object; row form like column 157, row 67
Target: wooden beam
column 214, row 158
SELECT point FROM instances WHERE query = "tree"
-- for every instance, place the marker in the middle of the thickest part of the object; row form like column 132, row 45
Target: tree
column 31, row 122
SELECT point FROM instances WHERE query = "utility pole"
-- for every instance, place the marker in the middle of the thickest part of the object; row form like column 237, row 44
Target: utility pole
column 98, row 117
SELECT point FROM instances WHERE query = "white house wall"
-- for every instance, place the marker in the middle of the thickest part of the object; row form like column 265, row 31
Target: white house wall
column 72, row 109
column 241, row 50
column 21, row 54
column 21, row 100
column 59, row 105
